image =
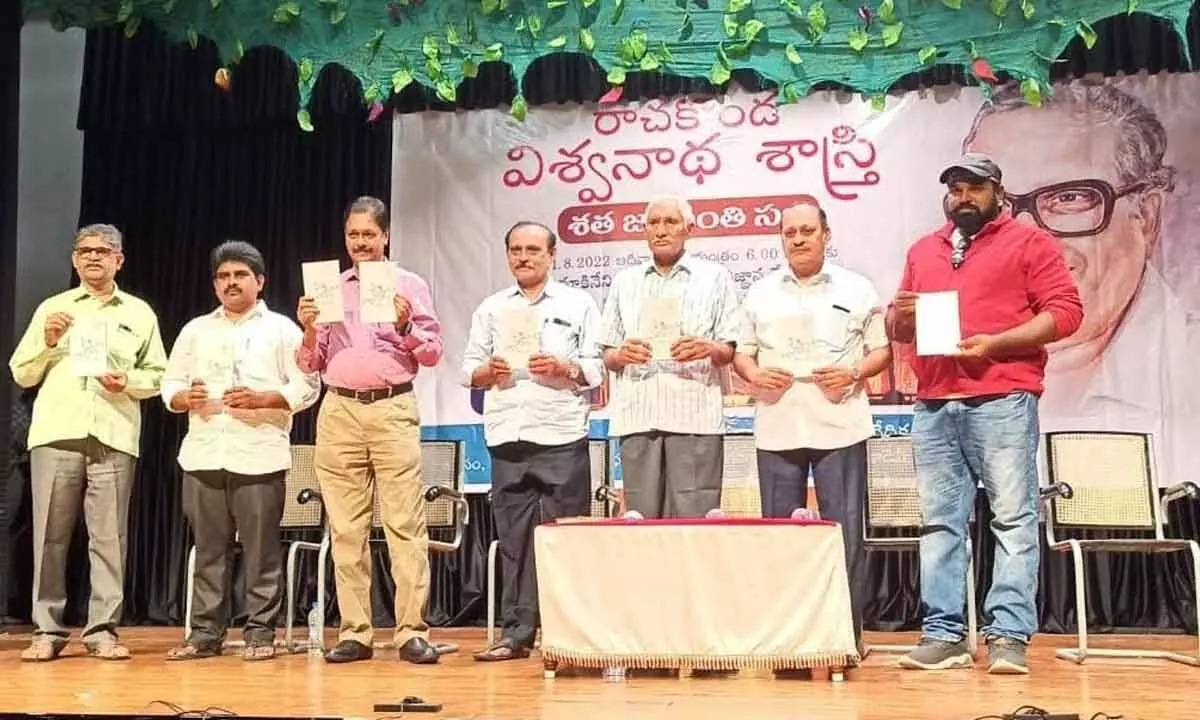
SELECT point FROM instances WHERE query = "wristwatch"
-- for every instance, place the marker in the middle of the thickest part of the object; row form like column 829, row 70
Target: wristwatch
column 573, row 372
column 855, row 374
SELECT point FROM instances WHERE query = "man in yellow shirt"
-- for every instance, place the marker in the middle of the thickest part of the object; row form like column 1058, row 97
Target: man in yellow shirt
column 96, row 351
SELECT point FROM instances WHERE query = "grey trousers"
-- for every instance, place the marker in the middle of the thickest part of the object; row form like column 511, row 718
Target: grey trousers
column 66, row 475
column 667, row 475
column 222, row 506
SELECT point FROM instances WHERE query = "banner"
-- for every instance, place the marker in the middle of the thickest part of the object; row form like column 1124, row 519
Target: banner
column 1107, row 166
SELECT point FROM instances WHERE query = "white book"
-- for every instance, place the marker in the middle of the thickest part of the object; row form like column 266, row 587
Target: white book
column 217, row 366
column 519, row 336
column 939, row 329
column 661, row 324
column 795, row 348
column 88, row 346
column 323, row 283
column 377, row 292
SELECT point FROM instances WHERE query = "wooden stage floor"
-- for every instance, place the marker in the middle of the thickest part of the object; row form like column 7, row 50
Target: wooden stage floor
column 303, row 685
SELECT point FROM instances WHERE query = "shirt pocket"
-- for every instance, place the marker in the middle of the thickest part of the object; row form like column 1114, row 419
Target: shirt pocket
column 124, row 346
column 837, row 329
column 559, row 338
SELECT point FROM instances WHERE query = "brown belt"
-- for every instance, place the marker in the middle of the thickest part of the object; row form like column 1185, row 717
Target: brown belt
column 370, row 396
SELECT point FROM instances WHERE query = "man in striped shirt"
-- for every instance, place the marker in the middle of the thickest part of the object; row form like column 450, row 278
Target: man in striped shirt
column 668, row 325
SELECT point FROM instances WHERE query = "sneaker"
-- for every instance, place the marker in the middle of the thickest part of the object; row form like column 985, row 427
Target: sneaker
column 1006, row 657
column 933, row 654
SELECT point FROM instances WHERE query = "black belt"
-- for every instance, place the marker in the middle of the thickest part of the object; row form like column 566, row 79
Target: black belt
column 370, row 396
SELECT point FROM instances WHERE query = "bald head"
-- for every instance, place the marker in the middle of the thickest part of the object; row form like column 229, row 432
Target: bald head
column 804, row 232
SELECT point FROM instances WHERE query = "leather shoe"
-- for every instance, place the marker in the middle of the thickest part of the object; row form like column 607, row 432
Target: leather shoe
column 349, row 651
column 418, row 650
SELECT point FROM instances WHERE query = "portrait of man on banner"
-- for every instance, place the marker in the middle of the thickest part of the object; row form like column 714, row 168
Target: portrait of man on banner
column 1089, row 167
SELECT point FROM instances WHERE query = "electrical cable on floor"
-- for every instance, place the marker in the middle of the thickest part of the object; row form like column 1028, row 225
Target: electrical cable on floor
column 211, row 711
column 1031, row 712
column 169, row 705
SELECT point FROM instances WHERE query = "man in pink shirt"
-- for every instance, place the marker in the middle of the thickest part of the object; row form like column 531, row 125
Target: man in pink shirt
column 369, row 440
column 976, row 415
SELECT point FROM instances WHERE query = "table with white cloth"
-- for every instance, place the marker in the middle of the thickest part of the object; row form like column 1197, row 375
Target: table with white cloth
column 709, row 594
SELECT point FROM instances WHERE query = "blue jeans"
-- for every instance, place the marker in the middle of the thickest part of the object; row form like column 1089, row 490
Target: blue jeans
column 958, row 443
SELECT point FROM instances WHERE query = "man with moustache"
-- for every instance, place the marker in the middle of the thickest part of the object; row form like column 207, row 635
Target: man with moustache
column 233, row 370
column 812, row 334
column 976, row 414
column 669, row 411
column 1088, row 166
column 84, row 438
column 535, row 416
column 369, row 441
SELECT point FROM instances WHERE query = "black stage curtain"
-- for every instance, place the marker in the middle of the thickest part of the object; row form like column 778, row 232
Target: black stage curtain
column 10, row 92
column 178, row 165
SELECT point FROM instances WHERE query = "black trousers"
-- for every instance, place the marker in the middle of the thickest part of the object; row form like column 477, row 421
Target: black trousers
column 16, row 534
column 532, row 484
column 218, row 505
column 841, row 479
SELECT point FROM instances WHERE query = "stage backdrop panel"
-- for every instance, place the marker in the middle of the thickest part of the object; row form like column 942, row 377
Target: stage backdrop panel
column 1108, row 166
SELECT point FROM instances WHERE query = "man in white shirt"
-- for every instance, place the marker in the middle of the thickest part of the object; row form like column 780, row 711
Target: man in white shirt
column 234, row 372
column 532, row 346
column 669, row 325
column 812, row 334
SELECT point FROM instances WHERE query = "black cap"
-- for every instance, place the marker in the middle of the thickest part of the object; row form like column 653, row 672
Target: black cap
column 981, row 166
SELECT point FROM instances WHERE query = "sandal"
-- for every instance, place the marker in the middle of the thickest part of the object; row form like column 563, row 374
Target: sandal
column 109, row 651
column 503, row 650
column 258, row 653
column 191, row 651
column 43, row 649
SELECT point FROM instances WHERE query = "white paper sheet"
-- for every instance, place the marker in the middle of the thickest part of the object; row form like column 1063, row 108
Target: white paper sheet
column 939, row 330
column 377, row 292
column 661, row 324
column 323, row 283
column 88, row 340
column 519, row 336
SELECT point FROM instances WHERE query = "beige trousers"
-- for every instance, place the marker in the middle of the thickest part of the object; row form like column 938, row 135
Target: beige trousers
column 364, row 450
column 65, row 476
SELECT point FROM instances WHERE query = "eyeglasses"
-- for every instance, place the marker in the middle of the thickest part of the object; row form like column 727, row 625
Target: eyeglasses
column 1075, row 208
column 100, row 252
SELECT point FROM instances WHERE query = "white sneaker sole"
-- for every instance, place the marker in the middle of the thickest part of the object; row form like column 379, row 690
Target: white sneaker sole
column 1003, row 667
column 951, row 663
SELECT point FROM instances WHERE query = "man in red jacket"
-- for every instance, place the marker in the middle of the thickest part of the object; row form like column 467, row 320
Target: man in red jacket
column 976, row 414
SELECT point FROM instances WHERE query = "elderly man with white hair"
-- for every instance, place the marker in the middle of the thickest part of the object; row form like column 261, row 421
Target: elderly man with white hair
column 96, row 352
column 668, row 326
